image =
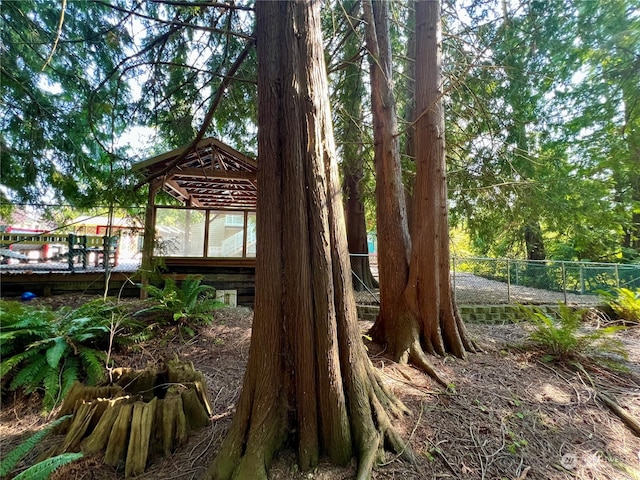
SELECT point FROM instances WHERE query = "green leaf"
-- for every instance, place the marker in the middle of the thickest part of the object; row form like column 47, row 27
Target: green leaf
column 12, row 458
column 56, row 351
column 44, row 469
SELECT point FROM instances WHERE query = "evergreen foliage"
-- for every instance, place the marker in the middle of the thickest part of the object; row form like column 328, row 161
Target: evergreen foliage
column 12, row 458
column 625, row 302
column 48, row 351
column 563, row 338
column 43, row 470
column 188, row 301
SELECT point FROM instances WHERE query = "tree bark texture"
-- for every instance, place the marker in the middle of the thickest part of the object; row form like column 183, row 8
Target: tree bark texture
column 394, row 243
column 308, row 381
column 429, row 288
column 417, row 312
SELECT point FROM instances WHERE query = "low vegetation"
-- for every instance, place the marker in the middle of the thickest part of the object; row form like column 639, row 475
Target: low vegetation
column 48, row 351
column 564, row 337
column 625, row 303
column 41, row 470
column 187, row 302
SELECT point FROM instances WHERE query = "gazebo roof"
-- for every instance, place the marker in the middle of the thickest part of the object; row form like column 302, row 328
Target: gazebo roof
column 212, row 175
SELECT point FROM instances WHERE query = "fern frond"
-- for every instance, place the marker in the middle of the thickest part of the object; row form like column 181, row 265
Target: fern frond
column 70, row 374
column 93, row 362
column 14, row 456
column 51, row 383
column 27, row 377
column 12, row 362
column 56, row 351
column 44, row 469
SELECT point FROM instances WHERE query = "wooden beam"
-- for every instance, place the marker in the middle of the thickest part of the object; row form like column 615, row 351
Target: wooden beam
column 213, row 174
column 172, row 184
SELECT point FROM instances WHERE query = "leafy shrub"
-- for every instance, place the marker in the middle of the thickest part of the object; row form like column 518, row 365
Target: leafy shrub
column 625, row 302
column 45, row 350
column 189, row 301
column 564, row 338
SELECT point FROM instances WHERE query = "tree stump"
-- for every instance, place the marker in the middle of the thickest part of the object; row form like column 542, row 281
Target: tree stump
column 142, row 413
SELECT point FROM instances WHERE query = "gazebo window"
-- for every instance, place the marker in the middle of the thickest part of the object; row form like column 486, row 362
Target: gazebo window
column 184, row 232
column 179, row 232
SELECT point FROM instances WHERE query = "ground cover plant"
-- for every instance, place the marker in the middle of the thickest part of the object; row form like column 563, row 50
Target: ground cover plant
column 48, row 350
column 625, row 303
column 41, row 470
column 563, row 336
column 512, row 415
column 186, row 302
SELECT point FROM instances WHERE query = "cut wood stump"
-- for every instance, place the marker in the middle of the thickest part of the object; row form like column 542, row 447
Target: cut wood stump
column 142, row 413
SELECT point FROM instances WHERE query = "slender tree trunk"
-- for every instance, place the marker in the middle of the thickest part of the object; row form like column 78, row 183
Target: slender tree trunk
column 394, row 243
column 417, row 311
column 410, row 111
column 356, row 226
column 632, row 136
column 534, row 243
column 351, row 94
column 308, row 378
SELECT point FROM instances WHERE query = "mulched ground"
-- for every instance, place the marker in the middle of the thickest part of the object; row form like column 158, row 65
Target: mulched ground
column 512, row 416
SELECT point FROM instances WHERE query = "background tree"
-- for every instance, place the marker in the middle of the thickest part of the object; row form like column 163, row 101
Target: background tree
column 417, row 312
column 54, row 122
column 351, row 138
column 308, row 378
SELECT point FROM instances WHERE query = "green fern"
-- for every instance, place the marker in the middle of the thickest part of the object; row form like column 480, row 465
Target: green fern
column 625, row 302
column 93, row 362
column 14, row 456
column 564, row 338
column 191, row 300
column 48, row 351
column 44, row 469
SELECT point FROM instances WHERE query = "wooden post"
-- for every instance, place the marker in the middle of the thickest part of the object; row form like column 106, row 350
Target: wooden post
column 149, row 235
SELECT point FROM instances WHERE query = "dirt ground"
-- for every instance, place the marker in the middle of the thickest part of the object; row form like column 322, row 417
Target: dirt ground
column 511, row 416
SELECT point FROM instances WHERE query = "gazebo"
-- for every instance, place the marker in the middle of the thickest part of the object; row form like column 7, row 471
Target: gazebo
column 212, row 230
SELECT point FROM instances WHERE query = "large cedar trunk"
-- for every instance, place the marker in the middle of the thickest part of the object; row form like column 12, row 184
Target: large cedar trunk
column 417, row 310
column 308, row 380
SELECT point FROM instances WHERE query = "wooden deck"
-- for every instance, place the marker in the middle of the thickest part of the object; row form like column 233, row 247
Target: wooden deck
column 124, row 279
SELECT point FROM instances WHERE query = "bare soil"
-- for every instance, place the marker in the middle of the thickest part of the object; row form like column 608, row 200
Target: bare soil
column 509, row 415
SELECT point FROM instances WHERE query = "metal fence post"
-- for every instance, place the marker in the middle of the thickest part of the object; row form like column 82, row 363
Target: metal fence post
column 617, row 276
column 453, row 263
column 564, row 281
column 508, row 282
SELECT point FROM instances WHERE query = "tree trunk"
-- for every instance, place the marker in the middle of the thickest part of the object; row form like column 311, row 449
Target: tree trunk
column 350, row 98
column 410, row 113
column 308, row 377
column 417, row 311
column 534, row 243
column 357, row 227
column 394, row 243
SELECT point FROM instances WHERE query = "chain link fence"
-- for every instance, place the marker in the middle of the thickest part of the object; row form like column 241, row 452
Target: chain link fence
column 543, row 281
column 489, row 281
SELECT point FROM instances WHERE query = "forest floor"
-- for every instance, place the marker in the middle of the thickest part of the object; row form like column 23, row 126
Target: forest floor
column 511, row 415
